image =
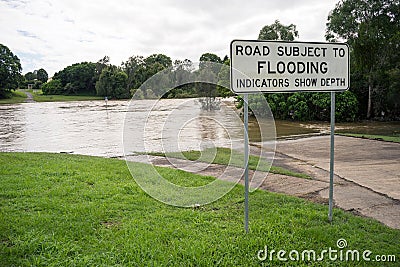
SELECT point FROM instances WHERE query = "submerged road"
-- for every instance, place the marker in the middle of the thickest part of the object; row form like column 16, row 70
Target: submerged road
column 29, row 97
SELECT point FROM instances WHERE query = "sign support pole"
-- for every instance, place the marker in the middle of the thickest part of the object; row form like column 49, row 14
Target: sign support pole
column 331, row 173
column 246, row 163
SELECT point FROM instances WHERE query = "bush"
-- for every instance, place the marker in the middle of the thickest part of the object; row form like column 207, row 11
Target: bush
column 112, row 83
column 311, row 106
column 53, row 87
column 5, row 94
column 346, row 106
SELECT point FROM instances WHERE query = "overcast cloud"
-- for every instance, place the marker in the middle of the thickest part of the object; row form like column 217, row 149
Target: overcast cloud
column 55, row 34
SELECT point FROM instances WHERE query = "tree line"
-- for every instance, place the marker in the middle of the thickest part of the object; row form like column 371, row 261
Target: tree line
column 370, row 27
column 104, row 79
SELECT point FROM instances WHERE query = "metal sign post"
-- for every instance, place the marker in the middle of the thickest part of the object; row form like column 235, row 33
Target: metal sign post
column 278, row 67
column 246, row 163
column 332, row 157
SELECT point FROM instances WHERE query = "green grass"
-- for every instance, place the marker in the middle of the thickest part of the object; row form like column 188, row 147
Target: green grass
column 16, row 97
column 226, row 156
column 20, row 97
column 395, row 139
column 70, row 210
column 62, row 98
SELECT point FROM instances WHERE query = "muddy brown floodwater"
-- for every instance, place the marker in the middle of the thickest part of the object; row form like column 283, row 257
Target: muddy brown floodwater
column 94, row 128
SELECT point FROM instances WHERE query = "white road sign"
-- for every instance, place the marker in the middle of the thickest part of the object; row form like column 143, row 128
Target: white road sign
column 275, row 66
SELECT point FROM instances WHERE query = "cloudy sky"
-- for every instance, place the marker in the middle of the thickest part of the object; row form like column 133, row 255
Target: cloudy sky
column 55, row 34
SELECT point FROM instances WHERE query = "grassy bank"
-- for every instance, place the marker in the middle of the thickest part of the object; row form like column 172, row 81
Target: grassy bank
column 20, row 97
column 69, row 210
column 395, row 139
column 63, row 98
column 16, row 97
column 226, row 156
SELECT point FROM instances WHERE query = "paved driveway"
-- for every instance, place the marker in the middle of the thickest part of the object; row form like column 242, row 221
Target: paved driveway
column 369, row 163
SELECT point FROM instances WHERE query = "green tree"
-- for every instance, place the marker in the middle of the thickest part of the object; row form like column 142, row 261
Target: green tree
column 372, row 29
column 79, row 78
column 42, row 75
column 10, row 71
column 180, row 80
column 137, row 94
column 210, row 57
column 158, row 59
column 224, row 83
column 207, row 90
column 135, row 69
column 30, row 76
column 112, row 83
column 102, row 63
column 278, row 31
column 52, row 87
column 303, row 106
column 35, row 78
column 207, row 85
column 279, row 102
column 393, row 94
column 139, row 69
column 209, row 68
column 152, row 65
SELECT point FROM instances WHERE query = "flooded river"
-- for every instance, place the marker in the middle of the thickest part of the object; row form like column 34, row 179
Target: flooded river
column 97, row 128
column 94, row 128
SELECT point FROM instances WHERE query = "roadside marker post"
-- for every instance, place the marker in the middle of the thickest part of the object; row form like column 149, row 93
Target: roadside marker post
column 279, row 67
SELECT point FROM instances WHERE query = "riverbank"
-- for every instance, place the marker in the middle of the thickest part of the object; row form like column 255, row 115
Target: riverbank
column 16, row 97
column 22, row 96
column 395, row 139
column 62, row 209
column 65, row 98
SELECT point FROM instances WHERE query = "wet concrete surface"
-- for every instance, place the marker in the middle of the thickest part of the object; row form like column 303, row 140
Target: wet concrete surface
column 369, row 163
column 367, row 173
